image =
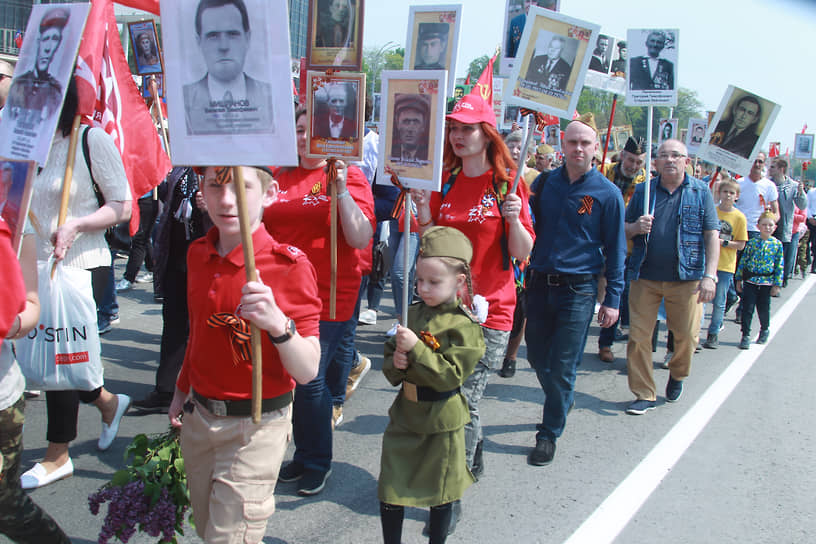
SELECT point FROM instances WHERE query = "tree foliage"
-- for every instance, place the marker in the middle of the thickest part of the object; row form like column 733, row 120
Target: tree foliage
column 477, row 66
column 377, row 59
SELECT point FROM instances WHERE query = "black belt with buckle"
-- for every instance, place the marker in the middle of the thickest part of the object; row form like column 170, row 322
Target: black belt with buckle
column 430, row 394
column 242, row 408
column 558, row 280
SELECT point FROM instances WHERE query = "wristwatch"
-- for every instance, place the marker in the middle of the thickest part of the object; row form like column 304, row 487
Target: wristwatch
column 725, row 243
column 288, row 333
column 711, row 277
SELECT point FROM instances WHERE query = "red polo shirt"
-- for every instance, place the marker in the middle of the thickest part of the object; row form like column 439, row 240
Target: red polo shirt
column 214, row 285
column 300, row 216
column 471, row 207
column 14, row 293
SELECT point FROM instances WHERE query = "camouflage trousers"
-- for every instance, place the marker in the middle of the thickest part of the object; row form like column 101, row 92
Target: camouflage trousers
column 20, row 517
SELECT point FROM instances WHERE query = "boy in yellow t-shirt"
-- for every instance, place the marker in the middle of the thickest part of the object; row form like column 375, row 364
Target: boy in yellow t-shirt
column 733, row 235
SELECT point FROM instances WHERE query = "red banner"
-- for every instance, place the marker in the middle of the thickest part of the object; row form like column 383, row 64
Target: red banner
column 146, row 5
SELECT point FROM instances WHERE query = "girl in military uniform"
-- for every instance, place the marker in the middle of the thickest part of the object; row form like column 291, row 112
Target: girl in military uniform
column 423, row 457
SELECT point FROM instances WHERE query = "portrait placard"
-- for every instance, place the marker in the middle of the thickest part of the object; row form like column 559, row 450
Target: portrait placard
column 696, row 132
column 335, row 36
column 652, row 75
column 146, row 49
column 621, row 134
column 667, row 130
column 607, row 67
column 336, row 105
column 228, row 105
column 15, row 195
column 515, row 16
column 552, row 136
column 735, row 134
column 413, row 128
column 803, row 147
column 159, row 84
column 433, row 39
column 552, row 61
column 510, row 114
column 40, row 80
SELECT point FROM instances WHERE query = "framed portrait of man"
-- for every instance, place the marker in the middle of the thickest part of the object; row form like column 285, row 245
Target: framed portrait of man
column 413, row 128
column 146, row 49
column 803, row 147
column 552, row 61
column 159, row 85
column 40, row 80
column 651, row 78
column 335, row 35
column 738, row 129
column 695, row 134
column 433, row 39
column 667, row 129
column 510, row 114
column 622, row 133
column 605, row 67
column 515, row 16
column 15, row 195
column 228, row 104
column 336, row 105
column 552, row 136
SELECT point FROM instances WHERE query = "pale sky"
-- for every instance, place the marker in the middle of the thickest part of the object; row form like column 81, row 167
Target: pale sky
column 764, row 47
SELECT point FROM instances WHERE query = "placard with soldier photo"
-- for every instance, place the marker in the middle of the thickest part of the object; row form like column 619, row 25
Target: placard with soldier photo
column 652, row 75
column 607, row 67
column 696, row 132
column 146, row 49
column 335, row 36
column 510, row 114
column 667, row 130
column 803, row 147
column 433, row 39
column 336, row 105
column 551, row 63
column 515, row 16
column 412, row 139
column 15, row 196
column 735, row 134
column 159, row 85
column 40, row 80
column 552, row 136
column 228, row 104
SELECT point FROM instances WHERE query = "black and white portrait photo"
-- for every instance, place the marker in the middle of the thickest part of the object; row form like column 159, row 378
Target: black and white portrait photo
column 145, row 47
column 432, row 46
column 335, row 34
column 41, row 78
column 695, row 134
column 668, row 130
column 433, row 39
column 335, row 110
column 409, row 140
column 552, row 62
column 652, row 73
column 619, row 64
column 336, row 107
column 600, row 60
column 803, row 147
column 223, row 60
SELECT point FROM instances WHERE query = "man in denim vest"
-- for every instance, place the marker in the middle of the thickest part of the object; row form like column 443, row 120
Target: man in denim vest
column 675, row 255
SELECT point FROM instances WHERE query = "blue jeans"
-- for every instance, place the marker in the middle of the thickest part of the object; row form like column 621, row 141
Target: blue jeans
column 311, row 419
column 398, row 268
column 724, row 281
column 345, row 357
column 607, row 335
column 107, row 308
column 558, row 319
column 790, row 249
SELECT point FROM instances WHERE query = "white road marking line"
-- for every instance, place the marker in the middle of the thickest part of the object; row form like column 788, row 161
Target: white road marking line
column 610, row 518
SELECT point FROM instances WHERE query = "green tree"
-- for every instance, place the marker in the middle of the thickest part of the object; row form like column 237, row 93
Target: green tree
column 377, row 59
column 477, row 66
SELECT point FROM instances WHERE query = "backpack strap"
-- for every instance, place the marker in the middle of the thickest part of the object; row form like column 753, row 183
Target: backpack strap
column 451, row 179
column 86, row 152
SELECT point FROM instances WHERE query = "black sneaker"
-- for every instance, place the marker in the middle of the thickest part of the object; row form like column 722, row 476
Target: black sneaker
column 712, row 342
column 763, row 336
column 674, row 390
column 640, row 407
column 156, row 401
column 508, row 369
column 745, row 343
column 291, row 472
column 730, row 304
column 312, row 482
column 542, row 454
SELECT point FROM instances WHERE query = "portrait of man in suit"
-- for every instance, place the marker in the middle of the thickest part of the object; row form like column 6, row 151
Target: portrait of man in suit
column 740, row 131
column 226, row 99
column 550, row 69
column 600, row 56
column 334, row 24
column 651, row 72
column 432, row 46
column 409, row 138
column 697, row 134
column 337, row 120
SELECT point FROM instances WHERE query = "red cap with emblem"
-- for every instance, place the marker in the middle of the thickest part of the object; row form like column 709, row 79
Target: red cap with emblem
column 477, row 106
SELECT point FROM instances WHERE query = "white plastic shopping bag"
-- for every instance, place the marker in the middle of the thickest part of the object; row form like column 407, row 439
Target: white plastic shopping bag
column 63, row 352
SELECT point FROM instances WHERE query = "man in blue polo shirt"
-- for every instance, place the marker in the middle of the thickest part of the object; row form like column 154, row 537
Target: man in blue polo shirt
column 579, row 230
column 674, row 257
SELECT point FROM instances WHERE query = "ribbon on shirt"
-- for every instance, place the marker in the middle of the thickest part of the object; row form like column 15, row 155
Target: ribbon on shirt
column 429, row 340
column 586, row 205
column 239, row 334
column 399, row 203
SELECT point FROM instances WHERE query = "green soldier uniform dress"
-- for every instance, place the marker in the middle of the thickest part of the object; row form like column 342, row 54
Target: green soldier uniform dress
column 423, row 456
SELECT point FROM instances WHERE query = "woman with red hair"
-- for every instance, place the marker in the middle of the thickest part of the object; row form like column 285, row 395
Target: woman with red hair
column 479, row 172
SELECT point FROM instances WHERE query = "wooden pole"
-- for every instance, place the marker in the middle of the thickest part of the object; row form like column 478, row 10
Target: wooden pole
column 609, row 131
column 154, row 92
column 331, row 180
column 251, row 275
column 528, row 133
column 406, row 254
column 646, row 187
column 68, row 178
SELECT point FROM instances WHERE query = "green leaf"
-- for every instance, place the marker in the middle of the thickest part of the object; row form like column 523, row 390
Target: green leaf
column 121, row 478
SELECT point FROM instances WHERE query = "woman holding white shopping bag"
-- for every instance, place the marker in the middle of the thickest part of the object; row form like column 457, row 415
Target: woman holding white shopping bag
column 79, row 243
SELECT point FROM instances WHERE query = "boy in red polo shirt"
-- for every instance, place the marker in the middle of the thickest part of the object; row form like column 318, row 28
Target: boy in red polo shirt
column 232, row 464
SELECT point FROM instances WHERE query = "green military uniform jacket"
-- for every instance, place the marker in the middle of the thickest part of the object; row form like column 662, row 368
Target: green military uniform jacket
column 423, row 457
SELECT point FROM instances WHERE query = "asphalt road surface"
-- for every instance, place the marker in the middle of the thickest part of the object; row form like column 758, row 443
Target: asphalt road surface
column 730, row 462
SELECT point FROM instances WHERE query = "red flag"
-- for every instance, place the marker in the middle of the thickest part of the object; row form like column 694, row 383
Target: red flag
column 575, row 115
column 774, row 150
column 804, row 128
column 467, row 80
column 146, row 5
column 108, row 98
column 485, row 83
column 18, row 39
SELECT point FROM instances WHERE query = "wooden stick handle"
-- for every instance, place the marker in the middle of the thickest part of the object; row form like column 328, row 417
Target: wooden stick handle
column 251, row 275
column 154, row 92
column 68, row 178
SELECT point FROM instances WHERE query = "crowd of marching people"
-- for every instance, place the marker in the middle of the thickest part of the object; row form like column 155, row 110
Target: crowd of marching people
column 493, row 261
